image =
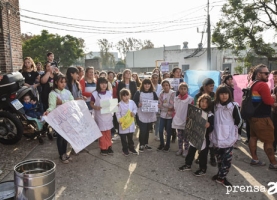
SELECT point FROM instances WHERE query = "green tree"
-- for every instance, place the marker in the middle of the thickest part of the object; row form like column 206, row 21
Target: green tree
column 242, row 26
column 107, row 57
column 67, row 48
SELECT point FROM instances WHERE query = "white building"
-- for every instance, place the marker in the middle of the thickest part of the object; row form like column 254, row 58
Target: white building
column 92, row 55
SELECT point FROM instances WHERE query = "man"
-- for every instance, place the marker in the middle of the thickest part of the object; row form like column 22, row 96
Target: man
column 261, row 126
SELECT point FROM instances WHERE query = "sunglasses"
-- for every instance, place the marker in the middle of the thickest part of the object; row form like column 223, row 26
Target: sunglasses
column 266, row 73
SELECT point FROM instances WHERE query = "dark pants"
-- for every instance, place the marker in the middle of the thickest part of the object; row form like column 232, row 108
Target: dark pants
column 62, row 145
column 127, row 141
column 165, row 123
column 274, row 120
column 115, row 125
column 224, row 158
column 144, row 132
column 203, row 157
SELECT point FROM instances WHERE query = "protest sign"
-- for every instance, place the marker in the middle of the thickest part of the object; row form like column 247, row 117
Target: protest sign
column 164, row 67
column 126, row 121
column 194, row 79
column 149, row 105
column 74, row 123
column 109, row 106
column 195, row 126
column 174, row 82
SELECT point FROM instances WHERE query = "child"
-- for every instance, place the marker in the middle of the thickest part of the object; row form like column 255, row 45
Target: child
column 227, row 120
column 72, row 83
column 30, row 107
column 124, row 106
column 104, row 121
column 145, row 119
column 205, row 103
column 58, row 96
column 181, row 103
column 166, row 103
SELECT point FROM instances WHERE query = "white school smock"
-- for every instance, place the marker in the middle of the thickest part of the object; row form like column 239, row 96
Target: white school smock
column 181, row 109
column 122, row 110
column 225, row 132
column 146, row 117
column 104, row 121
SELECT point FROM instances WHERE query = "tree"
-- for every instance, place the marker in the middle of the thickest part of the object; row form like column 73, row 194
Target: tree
column 242, row 26
column 107, row 57
column 67, row 48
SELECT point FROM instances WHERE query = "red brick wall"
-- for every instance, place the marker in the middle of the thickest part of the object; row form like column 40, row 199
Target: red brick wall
column 10, row 22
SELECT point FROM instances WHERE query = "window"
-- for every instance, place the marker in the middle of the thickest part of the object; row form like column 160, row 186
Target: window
column 185, row 67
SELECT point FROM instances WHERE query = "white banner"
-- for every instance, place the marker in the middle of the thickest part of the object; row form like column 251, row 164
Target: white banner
column 109, row 106
column 73, row 121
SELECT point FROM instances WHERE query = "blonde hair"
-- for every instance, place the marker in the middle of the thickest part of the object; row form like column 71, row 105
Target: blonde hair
column 33, row 66
column 123, row 74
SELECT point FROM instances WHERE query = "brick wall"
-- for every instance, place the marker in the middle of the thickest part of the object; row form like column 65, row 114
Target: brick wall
column 10, row 55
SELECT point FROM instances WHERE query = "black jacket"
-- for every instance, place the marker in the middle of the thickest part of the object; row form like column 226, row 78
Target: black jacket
column 132, row 88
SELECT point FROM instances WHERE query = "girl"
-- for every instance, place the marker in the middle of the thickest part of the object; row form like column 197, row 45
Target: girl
column 136, row 79
column 29, row 72
column 104, row 121
column 179, row 120
column 226, row 123
column 127, row 83
column 166, row 103
column 58, row 96
column 205, row 103
column 73, row 85
column 124, row 106
column 157, row 71
column 145, row 119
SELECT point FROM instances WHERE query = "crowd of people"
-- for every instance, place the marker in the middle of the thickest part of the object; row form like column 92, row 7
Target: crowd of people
column 223, row 127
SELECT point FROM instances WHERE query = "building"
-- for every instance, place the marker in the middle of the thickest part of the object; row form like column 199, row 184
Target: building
column 10, row 36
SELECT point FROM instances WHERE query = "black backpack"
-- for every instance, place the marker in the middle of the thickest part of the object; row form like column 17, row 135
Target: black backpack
column 247, row 108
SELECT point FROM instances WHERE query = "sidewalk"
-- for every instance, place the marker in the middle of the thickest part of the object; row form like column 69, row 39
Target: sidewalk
column 149, row 175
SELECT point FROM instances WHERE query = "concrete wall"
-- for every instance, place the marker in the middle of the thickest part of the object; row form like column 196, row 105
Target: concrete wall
column 10, row 55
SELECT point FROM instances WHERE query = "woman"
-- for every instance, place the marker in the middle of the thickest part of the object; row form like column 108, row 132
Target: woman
column 81, row 72
column 127, row 83
column 136, row 79
column 157, row 71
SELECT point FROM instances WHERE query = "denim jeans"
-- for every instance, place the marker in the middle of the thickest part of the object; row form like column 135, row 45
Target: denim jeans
column 165, row 124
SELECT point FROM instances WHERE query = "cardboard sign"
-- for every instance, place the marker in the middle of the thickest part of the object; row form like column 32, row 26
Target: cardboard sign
column 164, row 67
column 73, row 121
column 174, row 83
column 149, row 105
column 109, row 106
column 195, row 126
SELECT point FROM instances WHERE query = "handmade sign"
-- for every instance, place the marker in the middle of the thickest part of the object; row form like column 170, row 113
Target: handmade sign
column 174, row 82
column 73, row 121
column 126, row 121
column 109, row 106
column 164, row 67
column 149, row 105
column 195, row 126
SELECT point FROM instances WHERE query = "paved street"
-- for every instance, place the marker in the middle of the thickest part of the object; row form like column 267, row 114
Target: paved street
column 150, row 175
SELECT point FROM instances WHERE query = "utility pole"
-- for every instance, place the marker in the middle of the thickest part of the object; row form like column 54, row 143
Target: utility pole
column 209, row 65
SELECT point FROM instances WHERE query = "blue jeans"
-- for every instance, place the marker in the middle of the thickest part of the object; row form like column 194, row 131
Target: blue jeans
column 157, row 126
column 61, row 144
column 165, row 123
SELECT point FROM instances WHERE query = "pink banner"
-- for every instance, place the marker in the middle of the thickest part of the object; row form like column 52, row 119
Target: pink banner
column 240, row 82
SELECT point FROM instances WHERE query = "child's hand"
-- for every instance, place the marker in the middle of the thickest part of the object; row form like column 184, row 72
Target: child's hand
column 140, row 104
column 132, row 114
column 207, row 125
column 59, row 102
column 85, row 98
column 97, row 108
column 45, row 113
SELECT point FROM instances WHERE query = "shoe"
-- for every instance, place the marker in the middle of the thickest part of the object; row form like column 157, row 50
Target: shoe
column 157, row 138
column 166, row 149
column 141, row 149
column 68, row 158
column 126, row 153
column 224, row 182
column 179, row 152
column 148, row 147
column 104, row 152
column 185, row 168
column 200, row 172
column 63, row 159
column 257, row 163
column 133, row 151
column 213, row 162
column 116, row 137
column 214, row 177
column 110, row 150
column 185, row 153
column 160, row 148
column 272, row 167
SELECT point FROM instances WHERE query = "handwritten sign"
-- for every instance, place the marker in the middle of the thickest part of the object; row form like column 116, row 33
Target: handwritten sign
column 174, row 82
column 126, row 121
column 74, row 123
column 109, row 106
column 164, row 67
column 195, row 126
column 149, row 105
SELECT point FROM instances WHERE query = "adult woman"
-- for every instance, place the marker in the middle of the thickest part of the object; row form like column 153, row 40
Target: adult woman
column 136, row 79
column 111, row 76
column 88, row 85
column 127, row 83
column 157, row 71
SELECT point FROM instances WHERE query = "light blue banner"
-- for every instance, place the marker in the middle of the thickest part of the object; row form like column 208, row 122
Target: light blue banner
column 195, row 78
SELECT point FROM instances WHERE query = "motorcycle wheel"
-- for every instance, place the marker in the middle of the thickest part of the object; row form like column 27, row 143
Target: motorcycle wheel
column 11, row 129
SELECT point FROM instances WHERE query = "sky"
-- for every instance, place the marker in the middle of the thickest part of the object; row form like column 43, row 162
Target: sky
column 163, row 22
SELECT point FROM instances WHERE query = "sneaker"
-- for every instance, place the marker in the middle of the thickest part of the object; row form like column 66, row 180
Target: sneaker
column 213, row 162
column 141, row 149
column 166, row 149
column 200, row 172
column 272, row 167
column 161, row 147
column 157, row 138
column 115, row 137
column 126, row 153
column 179, row 152
column 104, row 152
column 185, row 153
column 133, row 151
column 224, row 182
column 63, row 159
column 148, row 147
column 185, row 168
column 110, row 150
column 257, row 163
